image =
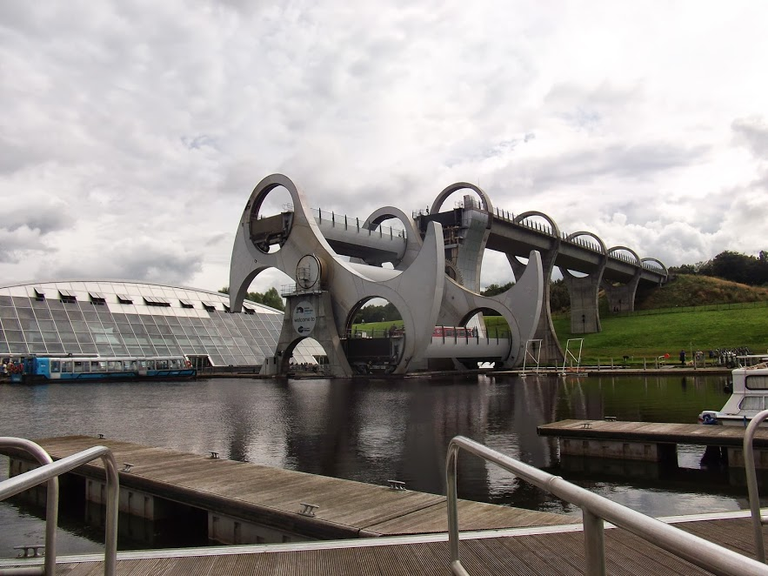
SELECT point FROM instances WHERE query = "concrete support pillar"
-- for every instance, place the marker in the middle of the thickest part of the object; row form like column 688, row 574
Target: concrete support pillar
column 585, row 317
column 622, row 298
column 551, row 351
column 309, row 314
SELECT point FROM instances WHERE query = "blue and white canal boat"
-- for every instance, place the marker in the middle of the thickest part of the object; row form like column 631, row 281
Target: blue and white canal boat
column 99, row 368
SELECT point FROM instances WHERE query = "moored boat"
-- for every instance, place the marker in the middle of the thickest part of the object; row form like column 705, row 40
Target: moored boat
column 99, row 368
column 749, row 394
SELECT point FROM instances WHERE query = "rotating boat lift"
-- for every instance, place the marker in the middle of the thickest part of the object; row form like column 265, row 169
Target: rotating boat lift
column 330, row 290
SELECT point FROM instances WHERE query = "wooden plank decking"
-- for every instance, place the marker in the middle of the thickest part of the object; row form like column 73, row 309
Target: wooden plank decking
column 272, row 496
column 652, row 432
column 555, row 554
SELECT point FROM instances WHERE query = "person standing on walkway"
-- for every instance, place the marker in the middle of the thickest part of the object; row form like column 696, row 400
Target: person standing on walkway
column 682, row 357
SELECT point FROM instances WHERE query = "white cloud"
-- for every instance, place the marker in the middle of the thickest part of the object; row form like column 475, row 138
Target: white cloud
column 133, row 132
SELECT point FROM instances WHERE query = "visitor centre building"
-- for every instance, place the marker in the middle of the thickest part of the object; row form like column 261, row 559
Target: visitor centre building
column 111, row 318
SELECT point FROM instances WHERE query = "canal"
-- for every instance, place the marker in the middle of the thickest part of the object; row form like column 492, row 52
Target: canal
column 376, row 430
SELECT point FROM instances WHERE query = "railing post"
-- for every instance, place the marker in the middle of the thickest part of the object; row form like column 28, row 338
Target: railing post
column 752, row 488
column 594, row 544
column 51, row 500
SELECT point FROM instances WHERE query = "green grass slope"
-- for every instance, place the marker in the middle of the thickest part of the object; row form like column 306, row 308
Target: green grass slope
column 688, row 313
column 690, row 290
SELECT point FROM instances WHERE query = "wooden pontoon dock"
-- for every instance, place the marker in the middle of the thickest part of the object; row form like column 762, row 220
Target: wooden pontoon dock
column 651, row 441
column 389, row 531
column 556, row 551
column 248, row 503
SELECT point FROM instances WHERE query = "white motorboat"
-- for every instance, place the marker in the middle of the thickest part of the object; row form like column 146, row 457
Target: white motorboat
column 749, row 395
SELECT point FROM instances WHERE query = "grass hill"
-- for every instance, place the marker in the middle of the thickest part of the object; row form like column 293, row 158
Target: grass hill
column 688, row 313
column 690, row 290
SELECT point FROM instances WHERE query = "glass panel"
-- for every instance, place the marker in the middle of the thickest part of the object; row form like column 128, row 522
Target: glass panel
column 25, row 313
column 7, row 313
column 43, row 313
column 60, row 316
column 14, row 335
column 18, row 348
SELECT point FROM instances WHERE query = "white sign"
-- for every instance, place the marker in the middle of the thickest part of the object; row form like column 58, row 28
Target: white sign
column 304, row 318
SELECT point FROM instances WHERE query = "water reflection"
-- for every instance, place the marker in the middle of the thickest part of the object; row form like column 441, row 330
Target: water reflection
column 381, row 429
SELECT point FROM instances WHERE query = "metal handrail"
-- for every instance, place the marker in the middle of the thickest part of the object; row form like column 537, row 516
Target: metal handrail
column 51, row 501
column 595, row 509
column 752, row 490
column 51, row 471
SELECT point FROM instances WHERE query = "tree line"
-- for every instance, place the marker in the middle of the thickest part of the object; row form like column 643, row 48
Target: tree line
column 733, row 266
column 269, row 298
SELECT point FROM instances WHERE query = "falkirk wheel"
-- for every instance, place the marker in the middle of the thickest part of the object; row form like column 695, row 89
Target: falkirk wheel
column 330, row 290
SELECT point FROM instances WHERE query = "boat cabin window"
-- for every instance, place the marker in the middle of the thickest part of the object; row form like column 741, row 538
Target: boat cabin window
column 55, row 365
column 757, row 382
column 751, row 403
column 114, row 365
column 98, row 366
column 66, row 366
column 81, row 366
column 161, row 364
column 147, row 364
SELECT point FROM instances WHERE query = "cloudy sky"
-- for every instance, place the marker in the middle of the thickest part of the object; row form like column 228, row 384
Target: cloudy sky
column 132, row 132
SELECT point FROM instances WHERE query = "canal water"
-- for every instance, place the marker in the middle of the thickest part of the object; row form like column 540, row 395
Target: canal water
column 376, row 430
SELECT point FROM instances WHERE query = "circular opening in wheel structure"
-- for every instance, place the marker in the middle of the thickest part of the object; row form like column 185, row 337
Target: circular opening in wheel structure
column 375, row 337
column 271, row 218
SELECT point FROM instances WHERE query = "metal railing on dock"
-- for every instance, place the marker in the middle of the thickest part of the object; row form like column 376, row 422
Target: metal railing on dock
column 752, row 489
column 595, row 509
column 49, row 471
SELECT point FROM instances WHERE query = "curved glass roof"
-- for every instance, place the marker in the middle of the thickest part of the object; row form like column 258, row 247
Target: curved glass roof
column 111, row 318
